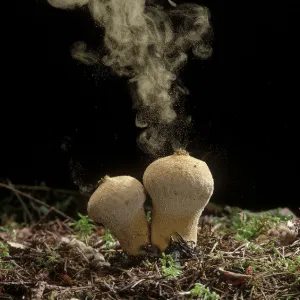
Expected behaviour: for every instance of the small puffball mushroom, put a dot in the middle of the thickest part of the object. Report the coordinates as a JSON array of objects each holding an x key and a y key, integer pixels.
[
  {"x": 180, "y": 186},
  {"x": 118, "y": 205}
]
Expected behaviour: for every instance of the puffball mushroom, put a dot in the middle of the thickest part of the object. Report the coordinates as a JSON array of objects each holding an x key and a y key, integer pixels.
[
  {"x": 118, "y": 203},
  {"x": 180, "y": 186}
]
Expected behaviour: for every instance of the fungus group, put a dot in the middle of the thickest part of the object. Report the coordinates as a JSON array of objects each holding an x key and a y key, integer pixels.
[{"x": 180, "y": 187}]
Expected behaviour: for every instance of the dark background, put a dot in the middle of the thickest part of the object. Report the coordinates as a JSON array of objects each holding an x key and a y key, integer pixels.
[{"x": 243, "y": 102}]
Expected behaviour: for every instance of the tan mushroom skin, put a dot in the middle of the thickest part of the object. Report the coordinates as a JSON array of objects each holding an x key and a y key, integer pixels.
[
  {"x": 180, "y": 186},
  {"x": 118, "y": 203}
]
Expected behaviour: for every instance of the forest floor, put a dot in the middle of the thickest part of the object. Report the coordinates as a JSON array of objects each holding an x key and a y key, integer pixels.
[{"x": 239, "y": 255}]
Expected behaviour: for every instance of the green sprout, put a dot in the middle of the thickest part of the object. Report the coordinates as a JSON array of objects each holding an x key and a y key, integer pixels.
[
  {"x": 274, "y": 249},
  {"x": 48, "y": 260},
  {"x": 109, "y": 240},
  {"x": 169, "y": 268},
  {"x": 253, "y": 248},
  {"x": 199, "y": 290},
  {"x": 84, "y": 226},
  {"x": 5, "y": 267},
  {"x": 277, "y": 217},
  {"x": 4, "y": 229},
  {"x": 3, "y": 250},
  {"x": 288, "y": 264},
  {"x": 148, "y": 215},
  {"x": 249, "y": 226}
]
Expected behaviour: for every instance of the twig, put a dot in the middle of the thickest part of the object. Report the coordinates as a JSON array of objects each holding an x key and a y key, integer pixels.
[
  {"x": 263, "y": 293},
  {"x": 83, "y": 255},
  {"x": 39, "y": 290},
  {"x": 143, "y": 279},
  {"x": 157, "y": 269},
  {"x": 272, "y": 274},
  {"x": 26, "y": 210},
  {"x": 289, "y": 295},
  {"x": 22, "y": 283},
  {"x": 49, "y": 189},
  {"x": 15, "y": 264},
  {"x": 42, "y": 218},
  {"x": 36, "y": 200},
  {"x": 234, "y": 278},
  {"x": 214, "y": 247}
]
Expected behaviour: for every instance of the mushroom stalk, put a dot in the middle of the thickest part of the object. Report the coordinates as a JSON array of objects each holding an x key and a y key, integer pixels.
[
  {"x": 118, "y": 203},
  {"x": 180, "y": 187}
]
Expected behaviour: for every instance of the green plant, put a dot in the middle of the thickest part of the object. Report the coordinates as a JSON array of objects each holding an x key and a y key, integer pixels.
[
  {"x": 50, "y": 259},
  {"x": 84, "y": 226},
  {"x": 253, "y": 248},
  {"x": 274, "y": 249},
  {"x": 276, "y": 217},
  {"x": 288, "y": 264},
  {"x": 3, "y": 250},
  {"x": 169, "y": 268},
  {"x": 5, "y": 268},
  {"x": 199, "y": 290},
  {"x": 109, "y": 240},
  {"x": 249, "y": 226},
  {"x": 241, "y": 264},
  {"x": 292, "y": 266},
  {"x": 148, "y": 215},
  {"x": 4, "y": 229}
]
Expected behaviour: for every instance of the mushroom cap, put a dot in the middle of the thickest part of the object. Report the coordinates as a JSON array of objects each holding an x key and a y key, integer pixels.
[
  {"x": 182, "y": 179},
  {"x": 118, "y": 203}
]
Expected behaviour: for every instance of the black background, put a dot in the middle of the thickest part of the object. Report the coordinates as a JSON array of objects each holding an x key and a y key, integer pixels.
[{"x": 243, "y": 102}]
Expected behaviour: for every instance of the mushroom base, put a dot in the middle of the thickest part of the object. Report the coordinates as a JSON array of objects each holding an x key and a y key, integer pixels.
[
  {"x": 164, "y": 226},
  {"x": 134, "y": 236}
]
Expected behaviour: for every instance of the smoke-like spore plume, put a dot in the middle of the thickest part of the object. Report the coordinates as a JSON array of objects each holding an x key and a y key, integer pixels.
[
  {"x": 69, "y": 4},
  {"x": 149, "y": 44}
]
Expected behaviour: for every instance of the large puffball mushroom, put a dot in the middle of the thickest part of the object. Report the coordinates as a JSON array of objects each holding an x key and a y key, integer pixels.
[
  {"x": 180, "y": 186},
  {"x": 118, "y": 203}
]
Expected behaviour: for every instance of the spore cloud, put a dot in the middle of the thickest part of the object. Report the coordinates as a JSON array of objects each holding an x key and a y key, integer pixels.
[{"x": 149, "y": 43}]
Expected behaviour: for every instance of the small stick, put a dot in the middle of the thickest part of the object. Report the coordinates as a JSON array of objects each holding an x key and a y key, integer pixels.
[
  {"x": 39, "y": 290},
  {"x": 17, "y": 283},
  {"x": 143, "y": 279},
  {"x": 49, "y": 189},
  {"x": 214, "y": 247},
  {"x": 36, "y": 200},
  {"x": 234, "y": 278},
  {"x": 26, "y": 210}
]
